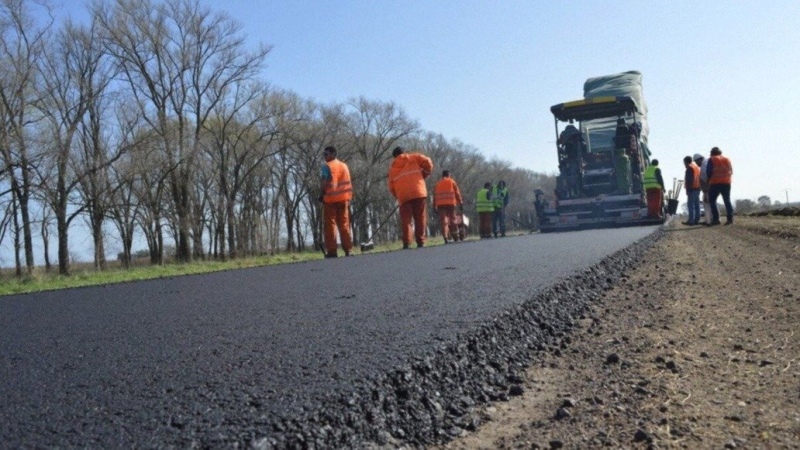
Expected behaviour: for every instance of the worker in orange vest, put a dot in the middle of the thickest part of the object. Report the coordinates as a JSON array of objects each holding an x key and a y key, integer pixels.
[
  {"x": 337, "y": 191},
  {"x": 446, "y": 196},
  {"x": 407, "y": 176},
  {"x": 720, "y": 173}
]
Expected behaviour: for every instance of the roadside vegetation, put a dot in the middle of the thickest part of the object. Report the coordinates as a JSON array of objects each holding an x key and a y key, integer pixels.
[
  {"x": 153, "y": 120},
  {"x": 85, "y": 274}
]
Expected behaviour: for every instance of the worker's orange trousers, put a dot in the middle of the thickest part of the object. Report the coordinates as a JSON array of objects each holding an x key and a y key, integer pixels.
[
  {"x": 413, "y": 209},
  {"x": 447, "y": 219},
  {"x": 654, "y": 201},
  {"x": 337, "y": 215}
]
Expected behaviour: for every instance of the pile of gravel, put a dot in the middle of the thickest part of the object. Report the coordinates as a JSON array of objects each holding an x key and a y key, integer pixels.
[{"x": 432, "y": 397}]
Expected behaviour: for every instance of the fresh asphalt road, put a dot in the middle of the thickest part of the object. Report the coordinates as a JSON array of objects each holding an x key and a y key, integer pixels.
[{"x": 153, "y": 362}]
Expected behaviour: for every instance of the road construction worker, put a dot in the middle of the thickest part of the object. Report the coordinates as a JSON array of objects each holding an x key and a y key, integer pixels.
[
  {"x": 446, "y": 196},
  {"x": 407, "y": 176},
  {"x": 654, "y": 187},
  {"x": 485, "y": 206},
  {"x": 500, "y": 199},
  {"x": 702, "y": 161},
  {"x": 337, "y": 191},
  {"x": 692, "y": 183},
  {"x": 719, "y": 172}
]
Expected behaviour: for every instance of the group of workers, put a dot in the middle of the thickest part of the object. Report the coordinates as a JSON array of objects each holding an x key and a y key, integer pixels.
[
  {"x": 710, "y": 176},
  {"x": 491, "y": 204},
  {"x": 406, "y": 183}
]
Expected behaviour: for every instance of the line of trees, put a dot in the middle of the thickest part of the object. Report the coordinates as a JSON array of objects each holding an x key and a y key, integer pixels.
[{"x": 153, "y": 119}]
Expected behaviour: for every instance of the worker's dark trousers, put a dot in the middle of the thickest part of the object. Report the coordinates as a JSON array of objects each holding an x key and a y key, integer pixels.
[
  {"x": 413, "y": 209},
  {"x": 693, "y": 205},
  {"x": 499, "y": 222},
  {"x": 714, "y": 192},
  {"x": 337, "y": 216}
]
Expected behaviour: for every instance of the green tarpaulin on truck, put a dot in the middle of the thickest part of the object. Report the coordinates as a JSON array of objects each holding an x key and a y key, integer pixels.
[{"x": 620, "y": 84}]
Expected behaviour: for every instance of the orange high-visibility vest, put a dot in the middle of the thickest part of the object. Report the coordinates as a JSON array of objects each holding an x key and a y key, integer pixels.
[
  {"x": 406, "y": 180},
  {"x": 721, "y": 170},
  {"x": 446, "y": 193},
  {"x": 696, "y": 181},
  {"x": 338, "y": 188}
]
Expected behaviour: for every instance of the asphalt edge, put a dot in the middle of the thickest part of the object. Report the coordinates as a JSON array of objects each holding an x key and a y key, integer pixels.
[{"x": 432, "y": 398}]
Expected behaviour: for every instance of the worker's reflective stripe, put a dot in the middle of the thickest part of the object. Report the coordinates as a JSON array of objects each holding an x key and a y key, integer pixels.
[
  {"x": 407, "y": 172},
  {"x": 341, "y": 188},
  {"x": 446, "y": 193},
  {"x": 649, "y": 180}
]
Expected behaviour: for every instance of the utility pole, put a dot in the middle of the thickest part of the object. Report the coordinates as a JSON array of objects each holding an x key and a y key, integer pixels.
[{"x": 787, "y": 195}]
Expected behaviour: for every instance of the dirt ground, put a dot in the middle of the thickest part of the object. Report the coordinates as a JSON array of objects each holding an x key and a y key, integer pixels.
[{"x": 697, "y": 348}]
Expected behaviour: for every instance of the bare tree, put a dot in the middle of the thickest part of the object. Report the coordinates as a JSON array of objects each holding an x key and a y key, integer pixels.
[
  {"x": 75, "y": 77},
  {"x": 123, "y": 207},
  {"x": 22, "y": 43},
  {"x": 240, "y": 134},
  {"x": 178, "y": 59},
  {"x": 291, "y": 113}
]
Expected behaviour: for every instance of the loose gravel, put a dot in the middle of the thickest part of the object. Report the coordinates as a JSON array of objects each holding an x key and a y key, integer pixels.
[{"x": 433, "y": 397}]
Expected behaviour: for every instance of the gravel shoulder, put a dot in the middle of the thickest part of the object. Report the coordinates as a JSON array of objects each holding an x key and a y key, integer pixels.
[{"x": 698, "y": 347}]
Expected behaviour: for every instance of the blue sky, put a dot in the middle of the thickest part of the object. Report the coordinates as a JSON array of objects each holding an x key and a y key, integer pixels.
[
  {"x": 715, "y": 73},
  {"x": 719, "y": 73}
]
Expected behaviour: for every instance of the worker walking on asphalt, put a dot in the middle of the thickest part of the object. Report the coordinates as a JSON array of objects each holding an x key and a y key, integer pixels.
[
  {"x": 485, "y": 206},
  {"x": 692, "y": 183},
  {"x": 407, "y": 176},
  {"x": 654, "y": 186},
  {"x": 720, "y": 173},
  {"x": 337, "y": 191},
  {"x": 702, "y": 162},
  {"x": 446, "y": 196},
  {"x": 500, "y": 199}
]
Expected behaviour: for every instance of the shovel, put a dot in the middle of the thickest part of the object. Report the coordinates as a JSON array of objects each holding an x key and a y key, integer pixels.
[{"x": 369, "y": 245}]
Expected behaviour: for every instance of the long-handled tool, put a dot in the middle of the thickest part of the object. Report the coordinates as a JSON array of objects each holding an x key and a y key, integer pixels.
[{"x": 369, "y": 245}]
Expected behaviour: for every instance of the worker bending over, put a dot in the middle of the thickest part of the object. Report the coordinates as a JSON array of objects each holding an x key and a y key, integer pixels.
[{"x": 407, "y": 176}]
